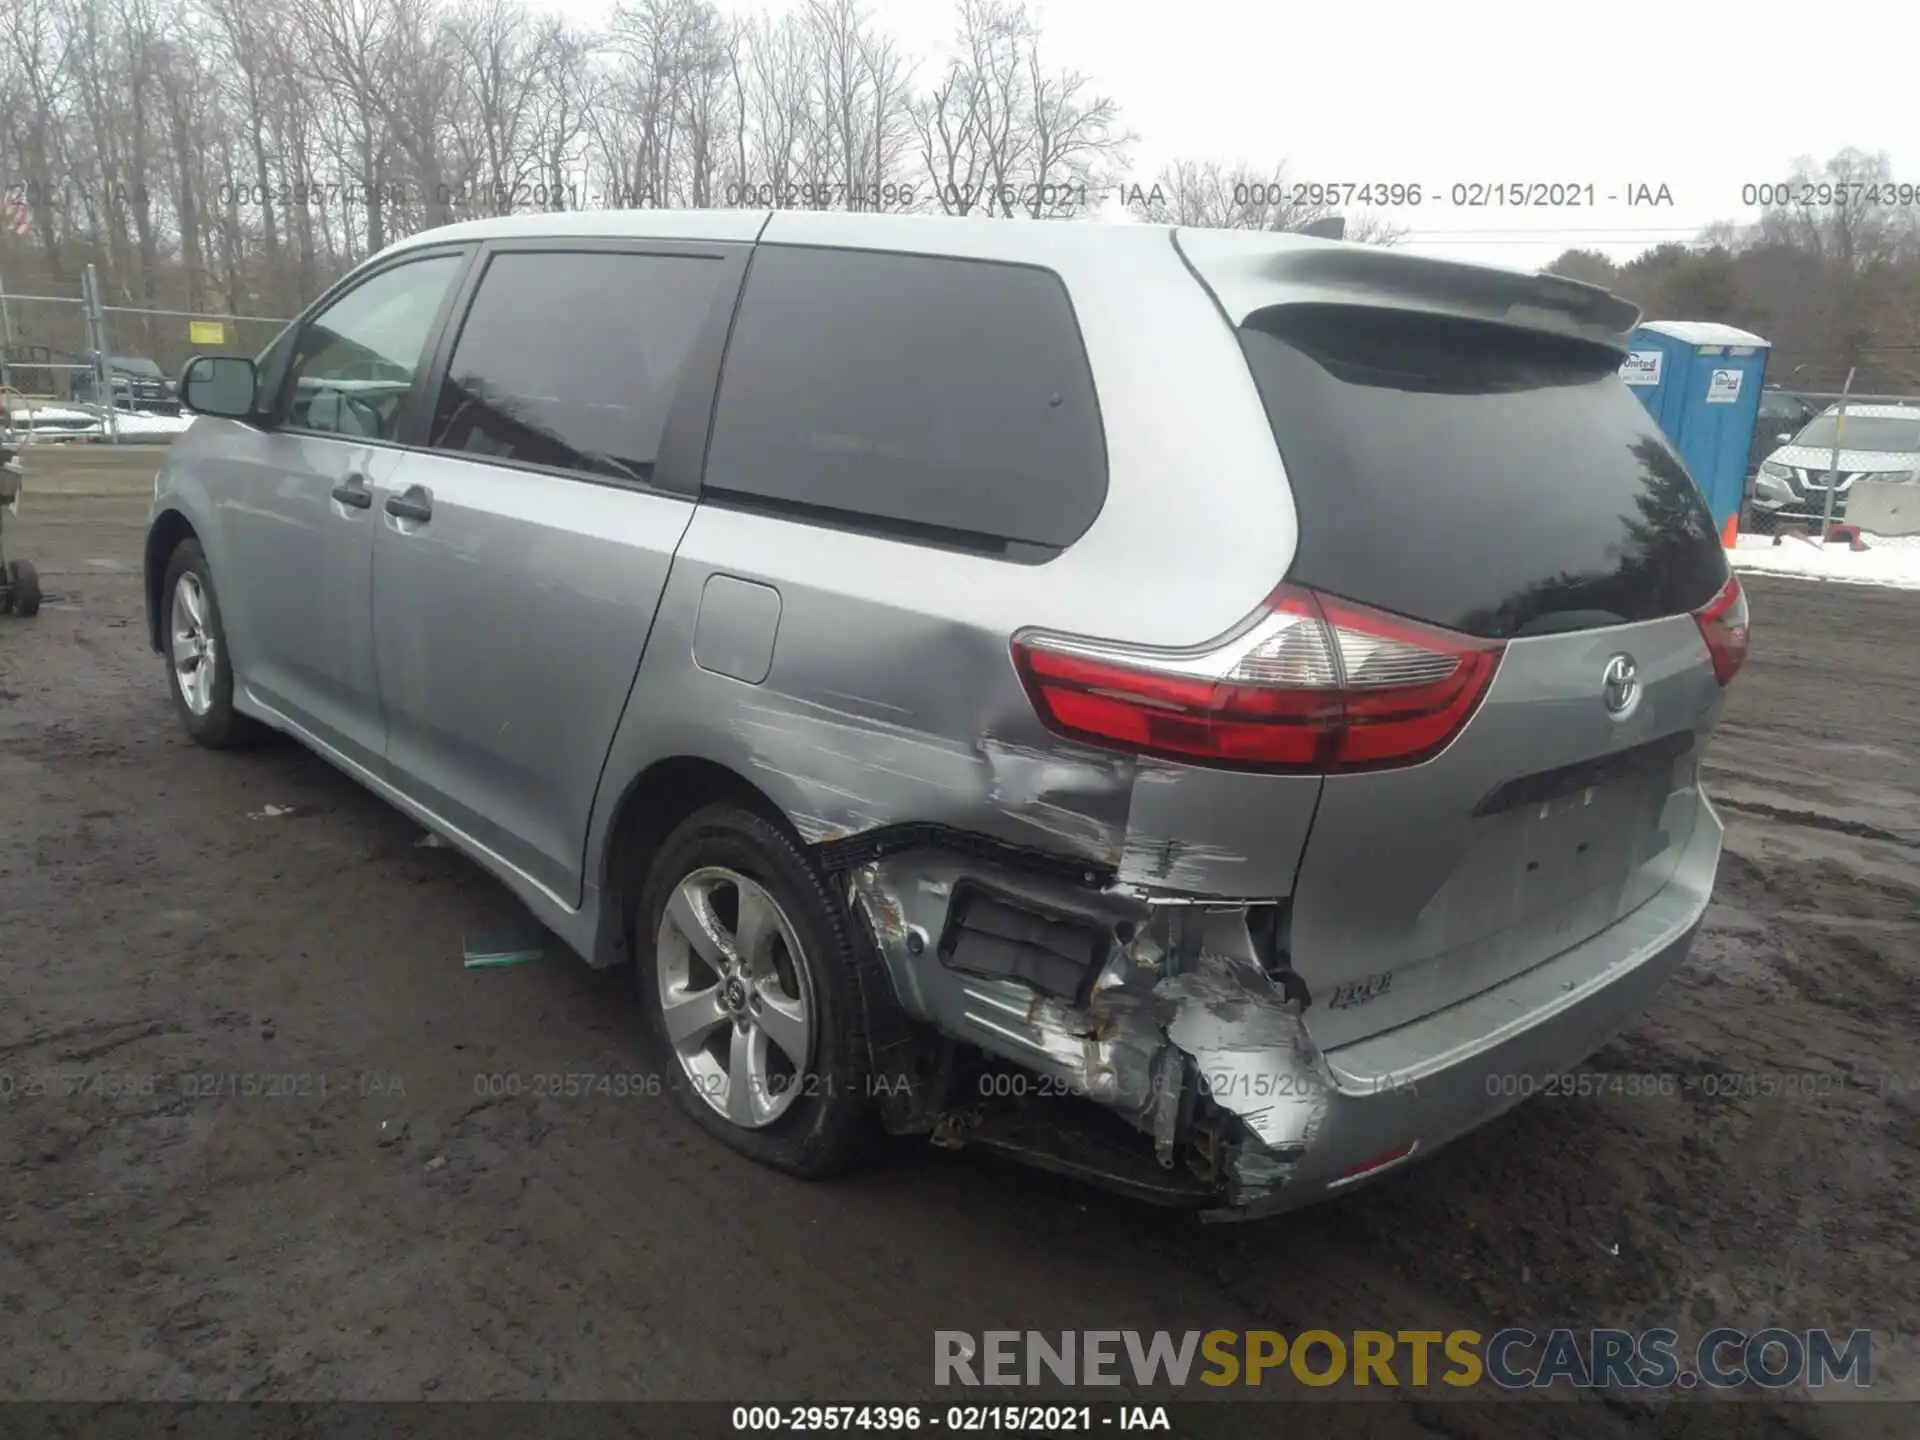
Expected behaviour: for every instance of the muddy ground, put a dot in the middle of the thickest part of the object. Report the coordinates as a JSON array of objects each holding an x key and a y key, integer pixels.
[{"x": 156, "y": 924}]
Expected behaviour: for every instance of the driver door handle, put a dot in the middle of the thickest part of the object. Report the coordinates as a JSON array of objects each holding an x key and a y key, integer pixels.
[
  {"x": 354, "y": 493},
  {"x": 413, "y": 503}
]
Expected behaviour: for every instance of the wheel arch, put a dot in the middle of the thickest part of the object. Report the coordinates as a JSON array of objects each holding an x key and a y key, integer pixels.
[
  {"x": 652, "y": 804},
  {"x": 660, "y": 798},
  {"x": 164, "y": 535}
]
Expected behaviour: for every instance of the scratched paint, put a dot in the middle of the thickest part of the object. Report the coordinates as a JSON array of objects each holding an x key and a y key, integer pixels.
[
  {"x": 847, "y": 771},
  {"x": 1179, "y": 864}
]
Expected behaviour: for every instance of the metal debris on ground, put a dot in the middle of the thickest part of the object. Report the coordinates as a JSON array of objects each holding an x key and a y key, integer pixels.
[
  {"x": 273, "y": 812},
  {"x": 489, "y": 952}
]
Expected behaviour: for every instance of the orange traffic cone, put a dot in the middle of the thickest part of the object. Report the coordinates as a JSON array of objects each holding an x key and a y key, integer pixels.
[{"x": 1730, "y": 533}]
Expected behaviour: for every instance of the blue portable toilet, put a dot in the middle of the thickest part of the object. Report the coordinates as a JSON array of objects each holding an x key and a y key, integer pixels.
[{"x": 1701, "y": 383}]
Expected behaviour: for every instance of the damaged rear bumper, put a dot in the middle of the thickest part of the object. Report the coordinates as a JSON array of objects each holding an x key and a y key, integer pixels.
[{"x": 1180, "y": 1018}]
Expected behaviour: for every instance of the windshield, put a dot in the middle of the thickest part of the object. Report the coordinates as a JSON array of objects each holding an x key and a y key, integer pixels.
[
  {"x": 1864, "y": 432},
  {"x": 136, "y": 365}
]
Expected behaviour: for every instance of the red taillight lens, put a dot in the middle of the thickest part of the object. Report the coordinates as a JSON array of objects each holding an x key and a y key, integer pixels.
[
  {"x": 1312, "y": 683},
  {"x": 1723, "y": 625}
]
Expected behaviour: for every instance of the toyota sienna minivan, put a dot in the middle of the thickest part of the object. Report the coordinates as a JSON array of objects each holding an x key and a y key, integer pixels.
[{"x": 1216, "y": 713}]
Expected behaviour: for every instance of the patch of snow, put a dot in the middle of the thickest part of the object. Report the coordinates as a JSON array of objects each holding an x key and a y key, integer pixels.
[
  {"x": 22, "y": 416},
  {"x": 141, "y": 425},
  {"x": 1892, "y": 560},
  {"x": 137, "y": 425}
]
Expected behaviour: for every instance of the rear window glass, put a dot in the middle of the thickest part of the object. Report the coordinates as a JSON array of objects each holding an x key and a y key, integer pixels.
[
  {"x": 1476, "y": 477},
  {"x": 920, "y": 394}
]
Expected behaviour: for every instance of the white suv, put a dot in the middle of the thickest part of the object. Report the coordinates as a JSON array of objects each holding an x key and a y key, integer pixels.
[{"x": 1879, "y": 442}]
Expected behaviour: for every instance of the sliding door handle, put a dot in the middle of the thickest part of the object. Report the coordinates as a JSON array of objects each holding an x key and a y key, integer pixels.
[{"x": 414, "y": 503}]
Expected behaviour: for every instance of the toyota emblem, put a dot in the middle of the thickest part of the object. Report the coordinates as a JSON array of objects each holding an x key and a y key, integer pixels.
[{"x": 1620, "y": 686}]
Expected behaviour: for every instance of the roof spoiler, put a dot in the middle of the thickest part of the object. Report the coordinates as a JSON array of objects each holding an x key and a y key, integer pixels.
[{"x": 1251, "y": 270}]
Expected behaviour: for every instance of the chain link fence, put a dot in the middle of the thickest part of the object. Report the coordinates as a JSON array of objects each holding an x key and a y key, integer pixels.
[{"x": 73, "y": 367}]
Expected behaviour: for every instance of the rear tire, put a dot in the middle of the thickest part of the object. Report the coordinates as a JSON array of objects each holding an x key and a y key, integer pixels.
[
  {"x": 26, "y": 589},
  {"x": 780, "y": 972},
  {"x": 192, "y": 630}
]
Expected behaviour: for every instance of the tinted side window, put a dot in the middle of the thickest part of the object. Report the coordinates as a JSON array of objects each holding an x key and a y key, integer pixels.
[
  {"x": 355, "y": 362},
  {"x": 571, "y": 359},
  {"x": 912, "y": 391}
]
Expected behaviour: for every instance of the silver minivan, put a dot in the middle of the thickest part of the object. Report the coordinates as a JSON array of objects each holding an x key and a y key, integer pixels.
[{"x": 1215, "y": 713}]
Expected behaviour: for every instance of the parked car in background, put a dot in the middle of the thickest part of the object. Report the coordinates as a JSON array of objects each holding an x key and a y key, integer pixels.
[
  {"x": 138, "y": 384},
  {"x": 20, "y": 417},
  {"x": 990, "y": 679},
  {"x": 1782, "y": 414},
  {"x": 1877, "y": 442}
]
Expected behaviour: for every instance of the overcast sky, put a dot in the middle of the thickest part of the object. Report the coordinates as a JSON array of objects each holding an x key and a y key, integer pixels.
[{"x": 1700, "y": 97}]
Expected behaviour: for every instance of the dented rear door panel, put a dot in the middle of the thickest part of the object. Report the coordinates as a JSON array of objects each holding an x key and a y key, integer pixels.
[{"x": 875, "y": 714}]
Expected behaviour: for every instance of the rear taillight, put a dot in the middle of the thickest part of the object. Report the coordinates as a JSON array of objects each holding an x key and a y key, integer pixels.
[
  {"x": 1310, "y": 683},
  {"x": 1723, "y": 625}
]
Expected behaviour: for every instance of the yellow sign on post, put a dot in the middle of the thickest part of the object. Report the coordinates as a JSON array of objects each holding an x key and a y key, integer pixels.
[{"x": 206, "y": 332}]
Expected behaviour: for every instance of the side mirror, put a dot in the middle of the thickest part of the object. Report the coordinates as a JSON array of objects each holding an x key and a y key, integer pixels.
[{"x": 221, "y": 385}]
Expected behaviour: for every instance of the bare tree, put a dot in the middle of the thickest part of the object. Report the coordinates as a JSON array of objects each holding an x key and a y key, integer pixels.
[
  {"x": 137, "y": 38},
  {"x": 785, "y": 136},
  {"x": 38, "y": 78},
  {"x": 658, "y": 137},
  {"x": 1077, "y": 144},
  {"x": 355, "y": 46},
  {"x": 1832, "y": 211},
  {"x": 567, "y": 92},
  {"x": 1002, "y": 134},
  {"x": 183, "y": 94},
  {"x": 243, "y": 153},
  {"x": 951, "y": 127},
  {"x": 842, "y": 93},
  {"x": 890, "y": 78},
  {"x": 497, "y": 79},
  {"x": 242, "y": 30}
]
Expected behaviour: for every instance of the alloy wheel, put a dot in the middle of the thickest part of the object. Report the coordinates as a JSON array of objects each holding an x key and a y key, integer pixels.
[
  {"x": 195, "y": 651},
  {"x": 736, "y": 994}
]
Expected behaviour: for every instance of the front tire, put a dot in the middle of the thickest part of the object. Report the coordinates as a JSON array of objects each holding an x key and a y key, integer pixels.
[
  {"x": 26, "y": 590},
  {"x": 748, "y": 967},
  {"x": 199, "y": 665}
]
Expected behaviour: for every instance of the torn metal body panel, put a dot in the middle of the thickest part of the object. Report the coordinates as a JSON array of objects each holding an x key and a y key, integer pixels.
[
  {"x": 1192, "y": 1030},
  {"x": 1173, "y": 1006}
]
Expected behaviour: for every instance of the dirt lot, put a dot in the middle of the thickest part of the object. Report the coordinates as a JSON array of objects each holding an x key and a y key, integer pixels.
[{"x": 152, "y": 1244}]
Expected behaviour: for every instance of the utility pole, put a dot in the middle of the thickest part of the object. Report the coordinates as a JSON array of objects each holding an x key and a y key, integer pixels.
[{"x": 1833, "y": 462}]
